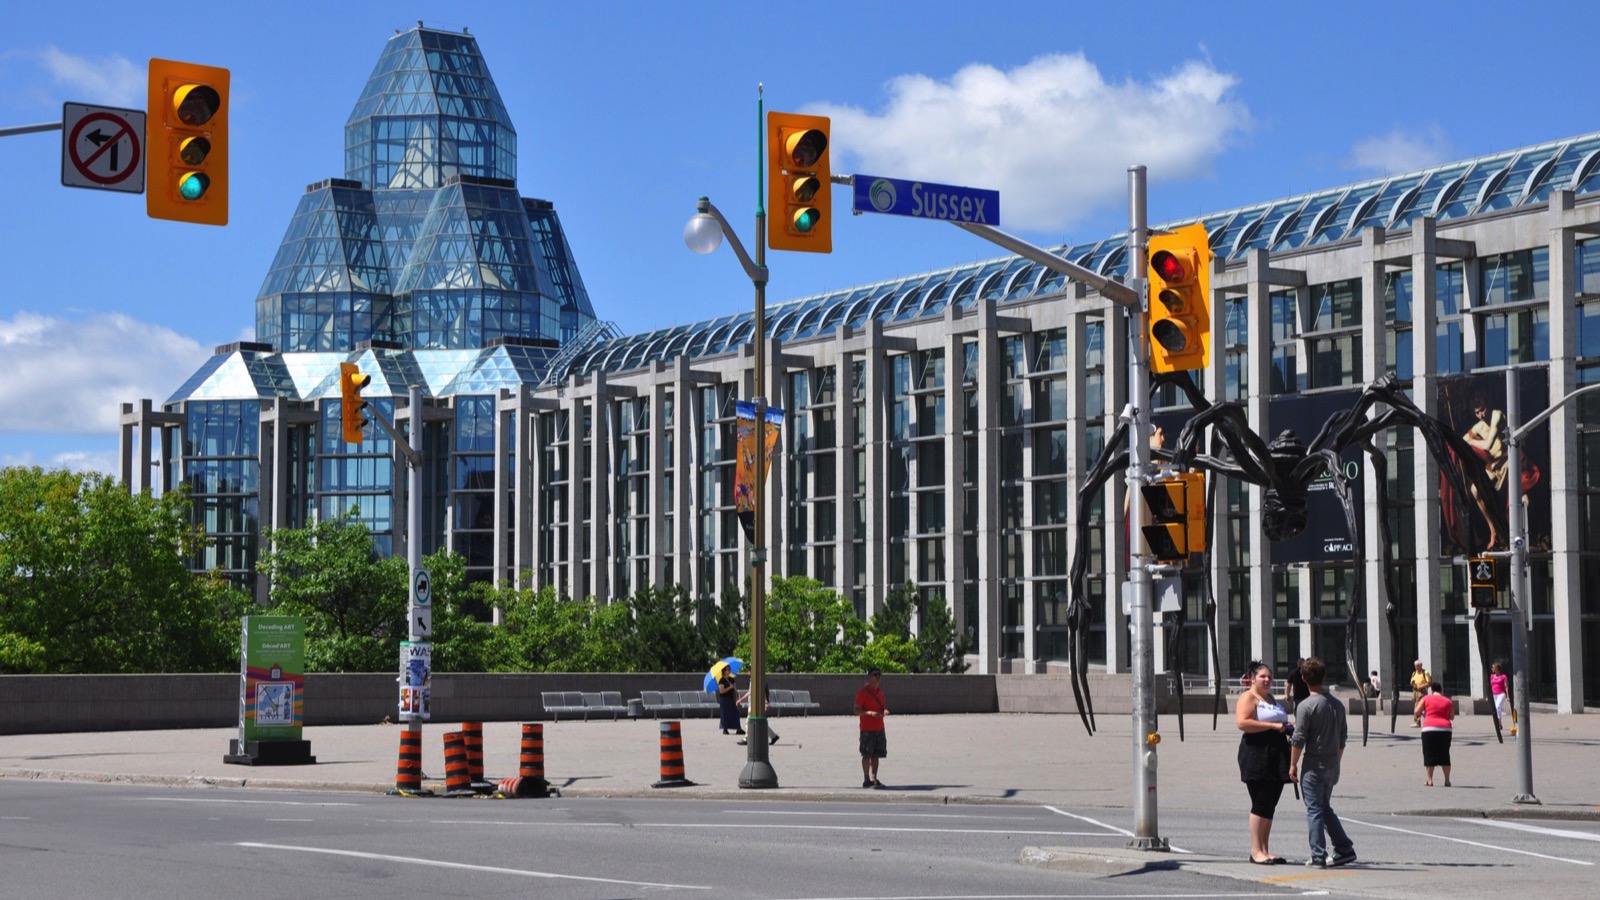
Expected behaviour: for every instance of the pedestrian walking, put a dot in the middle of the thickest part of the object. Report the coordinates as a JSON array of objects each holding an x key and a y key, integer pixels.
[
  {"x": 1497, "y": 689},
  {"x": 1263, "y": 757},
  {"x": 1377, "y": 688},
  {"x": 1438, "y": 714},
  {"x": 1316, "y": 749},
  {"x": 766, "y": 704},
  {"x": 871, "y": 707},
  {"x": 1420, "y": 679},
  {"x": 1295, "y": 691}
]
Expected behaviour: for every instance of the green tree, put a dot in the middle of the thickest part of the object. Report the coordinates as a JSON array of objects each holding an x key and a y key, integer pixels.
[
  {"x": 460, "y": 637},
  {"x": 663, "y": 636},
  {"x": 541, "y": 631},
  {"x": 810, "y": 628},
  {"x": 354, "y": 601},
  {"x": 936, "y": 648},
  {"x": 93, "y": 579}
]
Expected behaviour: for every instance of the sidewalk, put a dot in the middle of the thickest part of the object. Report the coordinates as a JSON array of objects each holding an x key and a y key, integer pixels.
[{"x": 1040, "y": 759}]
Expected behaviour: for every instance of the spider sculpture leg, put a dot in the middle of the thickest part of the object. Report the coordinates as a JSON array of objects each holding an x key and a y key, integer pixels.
[{"x": 1080, "y": 617}]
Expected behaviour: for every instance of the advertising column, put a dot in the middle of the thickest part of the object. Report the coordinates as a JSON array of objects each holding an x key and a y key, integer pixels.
[{"x": 272, "y": 684}]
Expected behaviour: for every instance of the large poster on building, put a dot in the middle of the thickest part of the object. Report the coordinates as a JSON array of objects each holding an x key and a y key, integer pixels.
[
  {"x": 1327, "y": 536},
  {"x": 1474, "y": 407}
]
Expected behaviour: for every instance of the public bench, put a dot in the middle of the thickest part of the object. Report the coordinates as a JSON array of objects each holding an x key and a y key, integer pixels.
[
  {"x": 792, "y": 701},
  {"x": 583, "y": 703},
  {"x": 683, "y": 703}
]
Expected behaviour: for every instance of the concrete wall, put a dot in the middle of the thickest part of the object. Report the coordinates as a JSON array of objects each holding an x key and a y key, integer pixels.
[{"x": 65, "y": 703}]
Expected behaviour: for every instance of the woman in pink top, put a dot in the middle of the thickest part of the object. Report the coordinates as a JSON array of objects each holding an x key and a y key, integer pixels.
[
  {"x": 1497, "y": 689},
  {"x": 1437, "y": 713}
]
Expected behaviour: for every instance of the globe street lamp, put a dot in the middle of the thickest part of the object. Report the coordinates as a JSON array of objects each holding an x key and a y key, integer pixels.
[{"x": 703, "y": 234}]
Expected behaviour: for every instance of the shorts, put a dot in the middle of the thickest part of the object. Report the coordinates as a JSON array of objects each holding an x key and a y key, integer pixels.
[{"x": 874, "y": 745}]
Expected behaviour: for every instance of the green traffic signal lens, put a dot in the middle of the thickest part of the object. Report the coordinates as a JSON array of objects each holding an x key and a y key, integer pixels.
[
  {"x": 806, "y": 219},
  {"x": 193, "y": 185}
]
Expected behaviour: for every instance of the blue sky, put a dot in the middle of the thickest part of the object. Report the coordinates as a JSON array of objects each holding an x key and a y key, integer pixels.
[{"x": 627, "y": 112}]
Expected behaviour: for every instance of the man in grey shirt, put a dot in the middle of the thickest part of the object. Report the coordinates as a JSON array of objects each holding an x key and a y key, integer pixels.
[{"x": 1315, "y": 749}]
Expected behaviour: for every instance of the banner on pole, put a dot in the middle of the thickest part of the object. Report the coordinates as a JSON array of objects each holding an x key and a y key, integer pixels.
[{"x": 744, "y": 497}]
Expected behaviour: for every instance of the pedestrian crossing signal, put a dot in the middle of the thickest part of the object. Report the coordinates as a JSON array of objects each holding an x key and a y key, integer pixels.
[{"x": 1484, "y": 585}]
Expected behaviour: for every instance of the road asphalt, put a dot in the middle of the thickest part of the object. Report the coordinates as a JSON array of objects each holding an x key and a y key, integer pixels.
[{"x": 1046, "y": 760}]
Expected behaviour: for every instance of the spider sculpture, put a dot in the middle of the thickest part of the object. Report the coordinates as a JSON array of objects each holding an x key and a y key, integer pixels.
[{"x": 1286, "y": 468}]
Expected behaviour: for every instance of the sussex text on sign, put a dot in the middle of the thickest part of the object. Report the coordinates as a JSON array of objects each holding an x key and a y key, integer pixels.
[{"x": 926, "y": 200}]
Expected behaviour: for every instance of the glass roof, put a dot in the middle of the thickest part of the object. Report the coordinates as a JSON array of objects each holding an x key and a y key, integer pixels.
[
  {"x": 1451, "y": 191},
  {"x": 242, "y": 373}
]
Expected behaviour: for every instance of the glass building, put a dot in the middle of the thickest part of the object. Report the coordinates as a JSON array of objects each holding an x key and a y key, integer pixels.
[{"x": 939, "y": 425}]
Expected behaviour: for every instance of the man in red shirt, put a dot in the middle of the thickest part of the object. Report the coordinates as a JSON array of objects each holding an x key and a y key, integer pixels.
[{"x": 871, "y": 707}]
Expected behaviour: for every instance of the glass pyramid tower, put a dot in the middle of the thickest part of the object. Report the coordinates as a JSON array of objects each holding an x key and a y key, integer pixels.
[{"x": 423, "y": 265}]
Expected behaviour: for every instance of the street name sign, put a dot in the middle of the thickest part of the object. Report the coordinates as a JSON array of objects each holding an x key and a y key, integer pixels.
[
  {"x": 102, "y": 147},
  {"x": 926, "y": 200}
]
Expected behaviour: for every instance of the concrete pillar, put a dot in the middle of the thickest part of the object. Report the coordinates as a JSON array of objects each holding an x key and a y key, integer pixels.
[{"x": 1566, "y": 589}]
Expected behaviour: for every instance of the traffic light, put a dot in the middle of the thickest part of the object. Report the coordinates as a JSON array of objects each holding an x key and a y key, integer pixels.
[
  {"x": 187, "y": 139},
  {"x": 351, "y": 381},
  {"x": 799, "y": 192},
  {"x": 1177, "y": 525},
  {"x": 1485, "y": 591},
  {"x": 1180, "y": 300}
]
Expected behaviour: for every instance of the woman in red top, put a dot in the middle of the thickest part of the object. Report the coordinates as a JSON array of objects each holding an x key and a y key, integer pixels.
[{"x": 1437, "y": 714}]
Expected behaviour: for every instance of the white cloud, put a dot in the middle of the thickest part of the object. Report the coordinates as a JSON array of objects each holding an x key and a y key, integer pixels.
[
  {"x": 104, "y": 462},
  {"x": 111, "y": 80},
  {"x": 1052, "y": 136},
  {"x": 70, "y": 375},
  {"x": 1401, "y": 151}
]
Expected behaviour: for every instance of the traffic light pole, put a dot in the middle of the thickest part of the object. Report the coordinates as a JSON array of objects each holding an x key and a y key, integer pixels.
[
  {"x": 1130, "y": 297},
  {"x": 1146, "y": 835},
  {"x": 411, "y": 446}
]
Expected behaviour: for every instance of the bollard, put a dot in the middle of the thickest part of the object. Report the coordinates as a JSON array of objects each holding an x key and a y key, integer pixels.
[
  {"x": 408, "y": 773},
  {"x": 672, "y": 757},
  {"x": 457, "y": 779},
  {"x": 472, "y": 737}
]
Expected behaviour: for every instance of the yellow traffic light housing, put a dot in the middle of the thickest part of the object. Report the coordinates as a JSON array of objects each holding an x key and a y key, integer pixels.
[
  {"x": 351, "y": 381},
  {"x": 1177, "y": 524},
  {"x": 799, "y": 196},
  {"x": 1180, "y": 300},
  {"x": 1484, "y": 581},
  {"x": 187, "y": 142}
]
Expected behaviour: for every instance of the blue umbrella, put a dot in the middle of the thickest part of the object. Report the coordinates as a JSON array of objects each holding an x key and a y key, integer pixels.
[{"x": 728, "y": 665}]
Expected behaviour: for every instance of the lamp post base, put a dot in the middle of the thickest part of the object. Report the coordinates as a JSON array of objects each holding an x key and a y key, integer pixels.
[
  {"x": 758, "y": 772},
  {"x": 1526, "y": 798},
  {"x": 1149, "y": 843}
]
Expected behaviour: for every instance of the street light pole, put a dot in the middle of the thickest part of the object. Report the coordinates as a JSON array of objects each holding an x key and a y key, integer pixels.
[
  {"x": 1521, "y": 584},
  {"x": 704, "y": 234}
]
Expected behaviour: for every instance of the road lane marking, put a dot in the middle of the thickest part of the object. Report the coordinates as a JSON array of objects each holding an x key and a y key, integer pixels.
[
  {"x": 243, "y": 802},
  {"x": 785, "y": 812},
  {"x": 1123, "y": 832},
  {"x": 1576, "y": 862},
  {"x": 783, "y": 826},
  {"x": 1535, "y": 829},
  {"x": 1055, "y": 896},
  {"x": 446, "y": 864}
]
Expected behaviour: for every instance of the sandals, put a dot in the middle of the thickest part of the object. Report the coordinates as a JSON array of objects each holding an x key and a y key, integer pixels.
[{"x": 1269, "y": 861}]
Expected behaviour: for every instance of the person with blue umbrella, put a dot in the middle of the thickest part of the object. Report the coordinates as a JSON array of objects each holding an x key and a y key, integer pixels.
[{"x": 719, "y": 680}]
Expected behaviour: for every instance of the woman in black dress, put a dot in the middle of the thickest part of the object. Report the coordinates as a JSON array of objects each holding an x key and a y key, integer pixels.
[{"x": 1263, "y": 757}]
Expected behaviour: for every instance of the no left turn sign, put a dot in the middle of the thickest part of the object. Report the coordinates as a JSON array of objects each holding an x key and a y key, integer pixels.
[{"x": 102, "y": 147}]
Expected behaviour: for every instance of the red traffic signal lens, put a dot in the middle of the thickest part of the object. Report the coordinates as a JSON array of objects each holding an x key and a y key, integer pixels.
[{"x": 1168, "y": 267}]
